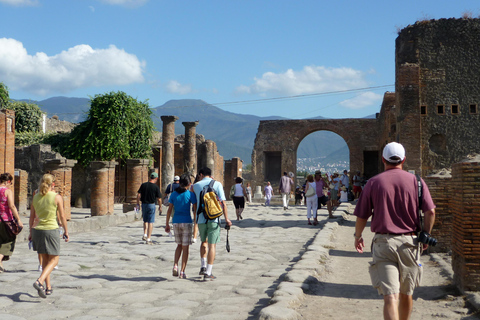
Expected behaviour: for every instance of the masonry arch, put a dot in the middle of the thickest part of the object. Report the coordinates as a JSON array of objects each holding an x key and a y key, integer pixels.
[
  {"x": 319, "y": 149},
  {"x": 277, "y": 141}
]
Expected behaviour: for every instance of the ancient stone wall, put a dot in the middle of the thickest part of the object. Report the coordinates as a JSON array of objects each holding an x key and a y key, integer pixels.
[
  {"x": 277, "y": 142},
  {"x": 233, "y": 169},
  {"x": 21, "y": 191},
  {"x": 437, "y": 89}
]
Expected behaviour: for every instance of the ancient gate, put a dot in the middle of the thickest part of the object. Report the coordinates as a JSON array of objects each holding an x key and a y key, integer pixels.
[{"x": 276, "y": 144}]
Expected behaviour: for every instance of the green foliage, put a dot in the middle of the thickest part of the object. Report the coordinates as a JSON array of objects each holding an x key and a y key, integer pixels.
[
  {"x": 28, "y": 138},
  {"x": 117, "y": 127},
  {"x": 28, "y": 116},
  {"x": 4, "y": 96}
]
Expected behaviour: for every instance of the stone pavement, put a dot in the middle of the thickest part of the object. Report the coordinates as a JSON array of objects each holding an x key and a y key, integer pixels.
[{"x": 107, "y": 272}]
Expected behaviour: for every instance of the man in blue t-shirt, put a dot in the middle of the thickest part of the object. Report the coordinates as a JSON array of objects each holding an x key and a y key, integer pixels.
[{"x": 209, "y": 229}]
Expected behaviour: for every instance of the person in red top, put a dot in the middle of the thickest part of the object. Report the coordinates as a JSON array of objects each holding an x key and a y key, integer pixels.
[{"x": 391, "y": 200}]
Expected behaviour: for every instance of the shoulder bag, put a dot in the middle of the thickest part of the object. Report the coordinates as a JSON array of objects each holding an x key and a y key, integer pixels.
[
  {"x": 310, "y": 192},
  {"x": 12, "y": 227}
]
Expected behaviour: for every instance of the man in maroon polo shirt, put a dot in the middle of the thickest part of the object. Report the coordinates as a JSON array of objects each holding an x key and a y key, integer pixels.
[{"x": 391, "y": 199}]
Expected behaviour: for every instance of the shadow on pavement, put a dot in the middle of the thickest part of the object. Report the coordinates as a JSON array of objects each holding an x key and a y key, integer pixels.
[
  {"x": 350, "y": 254},
  {"x": 116, "y": 278},
  {"x": 17, "y": 297}
]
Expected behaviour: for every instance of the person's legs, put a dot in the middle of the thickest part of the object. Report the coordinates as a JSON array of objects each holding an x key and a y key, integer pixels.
[
  {"x": 390, "y": 307},
  {"x": 149, "y": 230},
  {"x": 284, "y": 200},
  {"x": 145, "y": 228},
  {"x": 405, "y": 306},
  {"x": 178, "y": 252},
  {"x": 185, "y": 250},
  {"x": 49, "y": 262}
]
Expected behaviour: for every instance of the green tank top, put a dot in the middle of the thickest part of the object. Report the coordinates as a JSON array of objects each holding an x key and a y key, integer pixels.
[{"x": 46, "y": 210}]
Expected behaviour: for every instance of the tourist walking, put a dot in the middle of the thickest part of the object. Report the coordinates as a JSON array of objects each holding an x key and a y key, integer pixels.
[
  {"x": 180, "y": 200},
  {"x": 8, "y": 212},
  {"x": 170, "y": 188},
  {"x": 48, "y": 206},
  {"x": 391, "y": 200},
  {"x": 209, "y": 229},
  {"x": 344, "y": 179},
  {"x": 248, "y": 188},
  {"x": 239, "y": 197},
  {"x": 311, "y": 198},
  {"x": 148, "y": 194},
  {"x": 357, "y": 184},
  {"x": 320, "y": 184},
  {"x": 285, "y": 188},
  {"x": 268, "y": 193}
]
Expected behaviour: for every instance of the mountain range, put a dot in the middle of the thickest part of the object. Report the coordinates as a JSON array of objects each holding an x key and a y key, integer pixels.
[{"x": 233, "y": 133}]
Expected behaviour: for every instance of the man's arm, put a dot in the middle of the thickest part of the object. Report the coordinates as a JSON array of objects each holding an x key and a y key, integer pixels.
[
  {"x": 359, "y": 227},
  {"x": 428, "y": 223},
  {"x": 227, "y": 221},
  {"x": 138, "y": 199}
]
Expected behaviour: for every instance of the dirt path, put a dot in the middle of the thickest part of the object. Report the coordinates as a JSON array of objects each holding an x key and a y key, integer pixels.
[{"x": 345, "y": 291}]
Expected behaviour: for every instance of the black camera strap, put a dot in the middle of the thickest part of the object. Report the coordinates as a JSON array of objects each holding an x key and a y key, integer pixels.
[{"x": 420, "y": 200}]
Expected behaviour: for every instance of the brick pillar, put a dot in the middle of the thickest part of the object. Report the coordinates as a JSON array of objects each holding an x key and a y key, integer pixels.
[
  {"x": 61, "y": 169},
  {"x": 7, "y": 141},
  {"x": 102, "y": 187},
  {"x": 233, "y": 169},
  {"x": 440, "y": 187},
  {"x": 168, "y": 141},
  {"x": 190, "y": 148},
  {"x": 137, "y": 173},
  {"x": 466, "y": 224},
  {"x": 21, "y": 190}
]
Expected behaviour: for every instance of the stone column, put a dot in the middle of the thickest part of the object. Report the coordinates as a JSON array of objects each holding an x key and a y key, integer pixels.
[
  {"x": 102, "y": 187},
  {"x": 190, "y": 148},
  {"x": 168, "y": 141},
  {"x": 7, "y": 141},
  {"x": 21, "y": 190},
  {"x": 210, "y": 154},
  {"x": 61, "y": 169},
  {"x": 137, "y": 173}
]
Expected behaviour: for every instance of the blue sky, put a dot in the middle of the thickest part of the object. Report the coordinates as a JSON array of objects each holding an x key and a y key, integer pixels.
[{"x": 296, "y": 59}]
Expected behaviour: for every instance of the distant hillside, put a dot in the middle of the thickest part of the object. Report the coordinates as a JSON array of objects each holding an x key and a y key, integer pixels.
[{"x": 234, "y": 133}]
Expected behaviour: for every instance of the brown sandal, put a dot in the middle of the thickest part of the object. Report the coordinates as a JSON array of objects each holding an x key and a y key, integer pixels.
[
  {"x": 40, "y": 288},
  {"x": 49, "y": 291}
]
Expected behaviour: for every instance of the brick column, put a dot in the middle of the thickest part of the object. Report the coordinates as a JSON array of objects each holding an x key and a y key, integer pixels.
[
  {"x": 102, "y": 187},
  {"x": 466, "y": 224},
  {"x": 61, "y": 169},
  {"x": 21, "y": 190},
  {"x": 137, "y": 173},
  {"x": 168, "y": 141},
  {"x": 190, "y": 148},
  {"x": 7, "y": 141}
]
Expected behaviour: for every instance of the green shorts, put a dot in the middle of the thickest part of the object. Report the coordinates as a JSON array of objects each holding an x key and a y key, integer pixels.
[{"x": 210, "y": 231}]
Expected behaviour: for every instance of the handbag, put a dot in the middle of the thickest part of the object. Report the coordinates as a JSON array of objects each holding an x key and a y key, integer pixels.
[
  {"x": 12, "y": 227},
  {"x": 310, "y": 192}
]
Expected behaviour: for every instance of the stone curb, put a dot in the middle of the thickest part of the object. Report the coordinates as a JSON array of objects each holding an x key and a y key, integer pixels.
[
  {"x": 89, "y": 223},
  {"x": 312, "y": 263}
]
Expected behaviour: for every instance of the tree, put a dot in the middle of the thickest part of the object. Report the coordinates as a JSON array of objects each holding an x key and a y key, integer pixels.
[
  {"x": 28, "y": 116},
  {"x": 4, "y": 96},
  {"x": 118, "y": 127}
]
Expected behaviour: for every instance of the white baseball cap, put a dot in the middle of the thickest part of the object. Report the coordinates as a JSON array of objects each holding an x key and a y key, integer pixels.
[
  {"x": 394, "y": 152},
  {"x": 176, "y": 178}
]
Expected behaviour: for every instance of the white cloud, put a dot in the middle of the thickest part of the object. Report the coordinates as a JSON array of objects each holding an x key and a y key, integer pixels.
[
  {"x": 311, "y": 79},
  {"x": 77, "y": 67},
  {"x": 364, "y": 99},
  {"x": 20, "y": 3},
  {"x": 126, "y": 3},
  {"x": 177, "y": 88}
]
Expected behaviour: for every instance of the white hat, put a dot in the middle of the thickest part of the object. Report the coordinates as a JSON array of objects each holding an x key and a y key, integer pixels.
[
  {"x": 176, "y": 178},
  {"x": 394, "y": 152}
]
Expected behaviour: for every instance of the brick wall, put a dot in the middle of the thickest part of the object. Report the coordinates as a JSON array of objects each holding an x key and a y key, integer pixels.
[
  {"x": 233, "y": 169},
  {"x": 440, "y": 187},
  {"x": 7, "y": 141},
  {"x": 466, "y": 224}
]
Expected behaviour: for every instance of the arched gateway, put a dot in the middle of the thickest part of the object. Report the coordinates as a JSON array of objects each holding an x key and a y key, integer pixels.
[{"x": 276, "y": 144}]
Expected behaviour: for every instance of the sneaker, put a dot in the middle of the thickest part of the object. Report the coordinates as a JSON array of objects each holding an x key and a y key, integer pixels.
[
  {"x": 149, "y": 241},
  {"x": 203, "y": 271},
  {"x": 175, "y": 271},
  {"x": 209, "y": 277},
  {"x": 182, "y": 275},
  {"x": 144, "y": 238}
]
